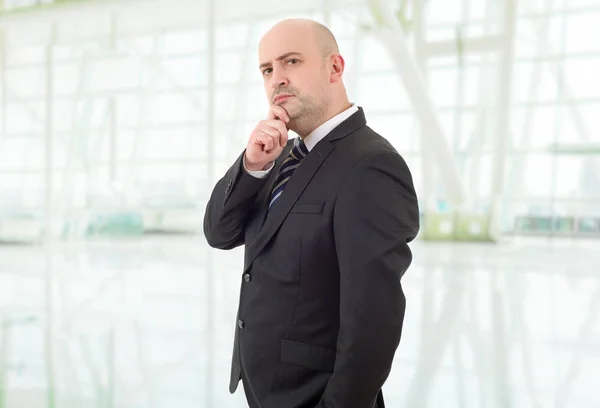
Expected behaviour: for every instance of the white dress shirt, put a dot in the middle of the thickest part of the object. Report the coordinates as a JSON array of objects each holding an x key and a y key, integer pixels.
[{"x": 313, "y": 137}]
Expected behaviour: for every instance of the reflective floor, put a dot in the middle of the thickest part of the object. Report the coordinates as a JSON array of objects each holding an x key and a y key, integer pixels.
[{"x": 149, "y": 323}]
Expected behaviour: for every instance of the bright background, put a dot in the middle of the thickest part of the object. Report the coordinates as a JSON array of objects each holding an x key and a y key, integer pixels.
[{"x": 117, "y": 118}]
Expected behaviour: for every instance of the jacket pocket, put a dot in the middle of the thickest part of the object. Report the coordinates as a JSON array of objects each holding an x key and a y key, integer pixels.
[
  {"x": 308, "y": 355},
  {"x": 308, "y": 207}
]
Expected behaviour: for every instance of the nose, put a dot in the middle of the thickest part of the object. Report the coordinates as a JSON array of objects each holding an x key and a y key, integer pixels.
[{"x": 278, "y": 79}]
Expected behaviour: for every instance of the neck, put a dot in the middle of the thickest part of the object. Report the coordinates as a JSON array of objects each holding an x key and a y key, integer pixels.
[{"x": 305, "y": 127}]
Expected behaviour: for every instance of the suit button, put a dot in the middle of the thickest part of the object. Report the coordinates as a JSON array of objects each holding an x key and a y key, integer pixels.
[
  {"x": 241, "y": 324},
  {"x": 247, "y": 278}
]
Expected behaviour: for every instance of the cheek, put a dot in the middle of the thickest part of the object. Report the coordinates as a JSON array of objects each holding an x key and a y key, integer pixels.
[{"x": 313, "y": 86}]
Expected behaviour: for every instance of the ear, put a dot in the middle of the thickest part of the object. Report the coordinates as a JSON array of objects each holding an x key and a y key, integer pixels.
[{"x": 337, "y": 68}]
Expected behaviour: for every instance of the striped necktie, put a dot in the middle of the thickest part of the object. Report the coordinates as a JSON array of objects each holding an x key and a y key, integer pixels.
[{"x": 291, "y": 163}]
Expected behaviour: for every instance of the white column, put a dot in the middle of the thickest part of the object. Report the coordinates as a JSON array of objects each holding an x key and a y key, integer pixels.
[
  {"x": 3, "y": 83},
  {"x": 428, "y": 176},
  {"x": 112, "y": 152},
  {"x": 48, "y": 137},
  {"x": 49, "y": 222},
  {"x": 504, "y": 102},
  {"x": 4, "y": 338},
  {"x": 49, "y": 327}
]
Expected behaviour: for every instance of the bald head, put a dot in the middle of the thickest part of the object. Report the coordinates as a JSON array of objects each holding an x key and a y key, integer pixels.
[
  {"x": 323, "y": 37},
  {"x": 325, "y": 40}
]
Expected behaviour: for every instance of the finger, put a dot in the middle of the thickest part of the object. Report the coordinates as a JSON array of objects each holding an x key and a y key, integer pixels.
[
  {"x": 283, "y": 138},
  {"x": 282, "y": 132},
  {"x": 278, "y": 112},
  {"x": 276, "y": 124},
  {"x": 261, "y": 143},
  {"x": 265, "y": 141},
  {"x": 271, "y": 127},
  {"x": 269, "y": 142}
]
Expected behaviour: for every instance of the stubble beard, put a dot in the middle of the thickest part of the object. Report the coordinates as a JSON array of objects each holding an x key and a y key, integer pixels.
[{"x": 306, "y": 116}]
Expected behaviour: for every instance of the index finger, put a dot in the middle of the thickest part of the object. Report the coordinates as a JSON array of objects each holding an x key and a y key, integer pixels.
[
  {"x": 277, "y": 112},
  {"x": 280, "y": 126}
]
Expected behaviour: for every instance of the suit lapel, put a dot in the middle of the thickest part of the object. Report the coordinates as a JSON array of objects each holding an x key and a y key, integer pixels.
[
  {"x": 297, "y": 184},
  {"x": 294, "y": 188}
]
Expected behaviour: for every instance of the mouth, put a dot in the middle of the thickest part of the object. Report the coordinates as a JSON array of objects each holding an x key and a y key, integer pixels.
[{"x": 282, "y": 97}]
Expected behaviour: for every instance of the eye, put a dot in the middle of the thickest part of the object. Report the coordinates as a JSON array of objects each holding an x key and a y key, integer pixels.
[
  {"x": 292, "y": 61},
  {"x": 267, "y": 71}
]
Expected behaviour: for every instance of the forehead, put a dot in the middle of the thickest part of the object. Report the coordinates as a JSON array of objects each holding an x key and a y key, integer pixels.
[{"x": 281, "y": 41}]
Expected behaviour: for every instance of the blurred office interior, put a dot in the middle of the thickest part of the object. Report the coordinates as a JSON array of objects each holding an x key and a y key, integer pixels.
[{"x": 117, "y": 118}]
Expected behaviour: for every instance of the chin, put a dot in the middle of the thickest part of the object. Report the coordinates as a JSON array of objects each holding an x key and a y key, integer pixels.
[
  {"x": 293, "y": 118},
  {"x": 292, "y": 113}
]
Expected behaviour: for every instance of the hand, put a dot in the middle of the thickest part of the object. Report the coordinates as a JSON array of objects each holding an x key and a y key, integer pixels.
[{"x": 267, "y": 140}]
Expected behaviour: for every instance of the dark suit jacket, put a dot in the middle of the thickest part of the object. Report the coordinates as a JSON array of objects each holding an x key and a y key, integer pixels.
[{"x": 321, "y": 304}]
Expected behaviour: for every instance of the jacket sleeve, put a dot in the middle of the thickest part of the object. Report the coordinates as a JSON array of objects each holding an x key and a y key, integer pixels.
[
  {"x": 231, "y": 201},
  {"x": 376, "y": 215}
]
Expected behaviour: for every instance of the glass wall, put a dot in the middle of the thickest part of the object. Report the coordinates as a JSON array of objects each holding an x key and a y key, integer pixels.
[
  {"x": 123, "y": 103},
  {"x": 112, "y": 127}
]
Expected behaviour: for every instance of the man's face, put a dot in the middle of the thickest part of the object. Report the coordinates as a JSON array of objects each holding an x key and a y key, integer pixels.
[{"x": 294, "y": 73}]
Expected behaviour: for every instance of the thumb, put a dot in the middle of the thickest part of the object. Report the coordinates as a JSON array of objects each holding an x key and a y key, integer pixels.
[{"x": 283, "y": 138}]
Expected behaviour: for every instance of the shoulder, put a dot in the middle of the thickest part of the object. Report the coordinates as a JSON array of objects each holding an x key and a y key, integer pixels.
[{"x": 365, "y": 147}]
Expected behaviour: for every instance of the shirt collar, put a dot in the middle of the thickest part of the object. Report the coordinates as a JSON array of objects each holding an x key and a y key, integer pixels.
[{"x": 319, "y": 133}]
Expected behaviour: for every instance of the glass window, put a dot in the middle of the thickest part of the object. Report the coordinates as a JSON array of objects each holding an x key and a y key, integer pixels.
[
  {"x": 181, "y": 72},
  {"x": 375, "y": 56},
  {"x": 67, "y": 79},
  {"x": 534, "y": 81},
  {"x": 164, "y": 143},
  {"x": 536, "y": 177},
  {"x": 184, "y": 42},
  {"x": 114, "y": 74},
  {"x": 25, "y": 118},
  {"x": 382, "y": 93},
  {"x": 471, "y": 132},
  {"x": 25, "y": 54},
  {"x": 400, "y": 130},
  {"x": 534, "y": 127},
  {"x": 236, "y": 34},
  {"x": 173, "y": 108},
  {"x": 230, "y": 66},
  {"x": 578, "y": 118},
  {"x": 568, "y": 176},
  {"x": 580, "y": 32},
  {"x": 438, "y": 12},
  {"x": 472, "y": 84},
  {"x": 442, "y": 86},
  {"x": 539, "y": 36},
  {"x": 26, "y": 82},
  {"x": 581, "y": 77},
  {"x": 255, "y": 102}
]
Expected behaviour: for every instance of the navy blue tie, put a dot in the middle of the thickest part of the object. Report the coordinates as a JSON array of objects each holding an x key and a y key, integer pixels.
[{"x": 291, "y": 163}]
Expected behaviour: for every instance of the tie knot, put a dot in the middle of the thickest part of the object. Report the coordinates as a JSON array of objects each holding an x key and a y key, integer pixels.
[{"x": 299, "y": 151}]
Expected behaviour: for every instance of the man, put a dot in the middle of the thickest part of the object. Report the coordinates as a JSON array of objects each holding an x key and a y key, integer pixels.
[{"x": 325, "y": 219}]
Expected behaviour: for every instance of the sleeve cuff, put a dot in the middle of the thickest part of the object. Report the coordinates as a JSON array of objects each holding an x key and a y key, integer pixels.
[{"x": 259, "y": 173}]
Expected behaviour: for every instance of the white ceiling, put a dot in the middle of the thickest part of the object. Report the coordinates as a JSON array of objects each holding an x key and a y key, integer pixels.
[{"x": 93, "y": 18}]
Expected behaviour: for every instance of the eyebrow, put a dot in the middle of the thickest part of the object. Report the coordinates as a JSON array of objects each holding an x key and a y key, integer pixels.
[{"x": 281, "y": 57}]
